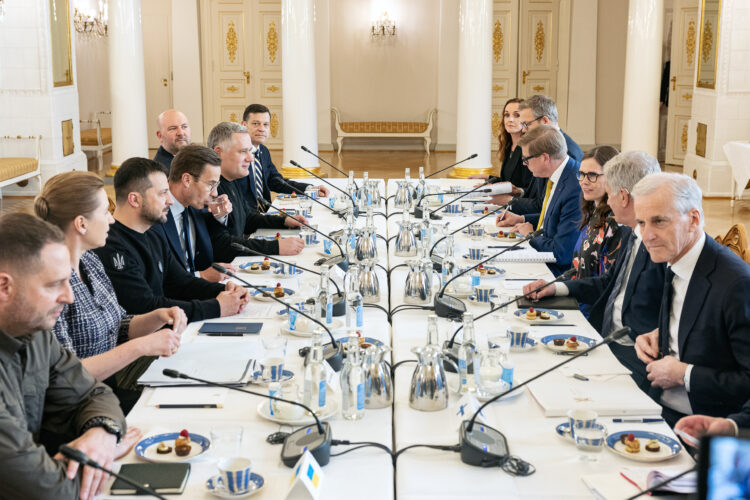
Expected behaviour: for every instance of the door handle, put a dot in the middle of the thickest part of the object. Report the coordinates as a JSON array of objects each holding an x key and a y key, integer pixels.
[
  {"x": 164, "y": 81},
  {"x": 247, "y": 76},
  {"x": 524, "y": 75},
  {"x": 674, "y": 81}
]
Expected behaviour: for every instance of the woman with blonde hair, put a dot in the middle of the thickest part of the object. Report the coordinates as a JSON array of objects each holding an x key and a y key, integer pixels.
[{"x": 95, "y": 327}]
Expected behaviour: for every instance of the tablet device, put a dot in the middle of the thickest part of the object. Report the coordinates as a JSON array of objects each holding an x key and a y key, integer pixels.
[{"x": 232, "y": 329}]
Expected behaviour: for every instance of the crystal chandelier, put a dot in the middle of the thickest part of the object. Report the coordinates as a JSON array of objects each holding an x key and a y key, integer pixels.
[
  {"x": 92, "y": 24},
  {"x": 384, "y": 26}
]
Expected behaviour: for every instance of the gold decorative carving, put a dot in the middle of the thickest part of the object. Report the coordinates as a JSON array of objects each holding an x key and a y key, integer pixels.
[
  {"x": 495, "y": 124},
  {"x": 683, "y": 138},
  {"x": 701, "y": 133},
  {"x": 272, "y": 41},
  {"x": 274, "y": 124},
  {"x": 67, "y": 137},
  {"x": 497, "y": 88},
  {"x": 690, "y": 42},
  {"x": 539, "y": 41},
  {"x": 497, "y": 41},
  {"x": 708, "y": 40},
  {"x": 687, "y": 96},
  {"x": 231, "y": 42},
  {"x": 233, "y": 117},
  {"x": 538, "y": 88},
  {"x": 232, "y": 88},
  {"x": 273, "y": 88}
]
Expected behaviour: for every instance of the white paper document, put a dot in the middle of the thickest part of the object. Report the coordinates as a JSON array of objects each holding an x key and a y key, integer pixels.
[{"x": 188, "y": 396}]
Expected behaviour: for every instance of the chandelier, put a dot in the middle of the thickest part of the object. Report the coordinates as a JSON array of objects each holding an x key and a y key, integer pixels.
[
  {"x": 92, "y": 24},
  {"x": 383, "y": 26}
]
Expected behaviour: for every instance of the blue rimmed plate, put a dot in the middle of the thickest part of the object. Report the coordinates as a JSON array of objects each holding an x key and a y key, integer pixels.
[
  {"x": 215, "y": 486},
  {"x": 668, "y": 447},
  {"x": 553, "y": 315},
  {"x": 583, "y": 342},
  {"x": 258, "y": 294},
  {"x": 499, "y": 272},
  {"x": 146, "y": 448},
  {"x": 246, "y": 267}
]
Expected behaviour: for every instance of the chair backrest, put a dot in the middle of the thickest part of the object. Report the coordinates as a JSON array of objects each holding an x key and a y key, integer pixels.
[{"x": 736, "y": 241}]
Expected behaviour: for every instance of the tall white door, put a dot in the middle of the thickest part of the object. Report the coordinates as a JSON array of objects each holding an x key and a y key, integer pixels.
[
  {"x": 156, "y": 18},
  {"x": 504, "y": 60},
  {"x": 685, "y": 31}
]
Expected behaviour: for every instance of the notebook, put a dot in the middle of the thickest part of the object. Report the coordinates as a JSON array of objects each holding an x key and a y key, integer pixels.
[
  {"x": 559, "y": 303},
  {"x": 230, "y": 328},
  {"x": 162, "y": 478}
]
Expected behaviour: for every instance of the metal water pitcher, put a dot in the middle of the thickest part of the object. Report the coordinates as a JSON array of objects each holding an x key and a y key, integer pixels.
[
  {"x": 378, "y": 379},
  {"x": 369, "y": 285},
  {"x": 406, "y": 242},
  {"x": 366, "y": 248},
  {"x": 404, "y": 196},
  {"x": 418, "y": 287},
  {"x": 429, "y": 387}
]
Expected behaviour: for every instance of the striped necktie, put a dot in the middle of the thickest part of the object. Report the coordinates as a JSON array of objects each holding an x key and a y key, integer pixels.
[
  {"x": 186, "y": 241},
  {"x": 258, "y": 177},
  {"x": 544, "y": 206}
]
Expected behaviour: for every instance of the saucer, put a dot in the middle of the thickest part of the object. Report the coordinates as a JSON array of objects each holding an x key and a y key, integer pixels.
[
  {"x": 215, "y": 486},
  {"x": 583, "y": 342},
  {"x": 257, "y": 377},
  {"x": 472, "y": 298},
  {"x": 563, "y": 430},
  {"x": 304, "y": 327},
  {"x": 668, "y": 447},
  {"x": 258, "y": 294},
  {"x": 553, "y": 315},
  {"x": 329, "y": 410}
]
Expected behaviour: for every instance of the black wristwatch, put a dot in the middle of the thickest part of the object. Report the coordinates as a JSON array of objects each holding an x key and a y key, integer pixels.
[{"x": 105, "y": 423}]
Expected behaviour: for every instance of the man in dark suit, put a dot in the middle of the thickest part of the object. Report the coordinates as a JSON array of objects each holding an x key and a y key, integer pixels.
[
  {"x": 232, "y": 143},
  {"x": 264, "y": 177},
  {"x": 698, "y": 361},
  {"x": 173, "y": 131},
  {"x": 629, "y": 294},
  {"x": 544, "y": 152}
]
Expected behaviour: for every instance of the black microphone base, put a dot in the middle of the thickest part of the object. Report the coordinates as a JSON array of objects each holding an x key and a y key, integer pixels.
[
  {"x": 449, "y": 307},
  {"x": 483, "y": 446},
  {"x": 339, "y": 305},
  {"x": 308, "y": 438},
  {"x": 418, "y": 214},
  {"x": 334, "y": 356},
  {"x": 451, "y": 353}
]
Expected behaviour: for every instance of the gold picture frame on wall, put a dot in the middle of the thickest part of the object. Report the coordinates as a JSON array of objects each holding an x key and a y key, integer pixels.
[
  {"x": 708, "y": 46},
  {"x": 62, "y": 56}
]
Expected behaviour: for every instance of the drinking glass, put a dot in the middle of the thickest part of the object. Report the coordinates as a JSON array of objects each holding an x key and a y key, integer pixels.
[
  {"x": 226, "y": 441},
  {"x": 272, "y": 361}
]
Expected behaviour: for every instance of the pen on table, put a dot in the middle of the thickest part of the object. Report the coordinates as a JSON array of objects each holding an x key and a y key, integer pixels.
[
  {"x": 189, "y": 406},
  {"x": 637, "y": 420},
  {"x": 224, "y": 334},
  {"x": 580, "y": 377},
  {"x": 519, "y": 279},
  {"x": 551, "y": 324}
]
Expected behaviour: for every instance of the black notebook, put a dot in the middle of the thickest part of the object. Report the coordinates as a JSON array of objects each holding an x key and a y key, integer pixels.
[
  {"x": 563, "y": 303},
  {"x": 230, "y": 328},
  {"x": 162, "y": 478}
]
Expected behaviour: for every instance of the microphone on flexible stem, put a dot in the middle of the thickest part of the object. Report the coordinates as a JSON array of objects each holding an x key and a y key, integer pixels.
[
  {"x": 467, "y": 193},
  {"x": 451, "y": 166},
  {"x": 339, "y": 304},
  {"x": 295, "y": 443},
  {"x": 486, "y": 446},
  {"x": 300, "y": 192},
  {"x": 77, "y": 455},
  {"x": 493, "y": 212},
  {"x": 333, "y": 355},
  {"x": 329, "y": 183},
  {"x": 329, "y": 164},
  {"x": 447, "y": 306},
  {"x": 343, "y": 264}
]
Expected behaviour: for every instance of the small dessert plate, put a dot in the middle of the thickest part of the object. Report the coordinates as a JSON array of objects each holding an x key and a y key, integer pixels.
[
  {"x": 668, "y": 447},
  {"x": 260, "y": 295},
  {"x": 583, "y": 342},
  {"x": 553, "y": 315},
  {"x": 215, "y": 486},
  {"x": 329, "y": 410},
  {"x": 146, "y": 448}
]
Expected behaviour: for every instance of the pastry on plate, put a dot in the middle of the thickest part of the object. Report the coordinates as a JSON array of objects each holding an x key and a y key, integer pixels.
[
  {"x": 558, "y": 342},
  {"x": 254, "y": 266},
  {"x": 531, "y": 314},
  {"x": 543, "y": 315},
  {"x": 572, "y": 343},
  {"x": 491, "y": 271},
  {"x": 163, "y": 448},
  {"x": 266, "y": 264},
  {"x": 293, "y": 195},
  {"x": 278, "y": 291},
  {"x": 632, "y": 445},
  {"x": 182, "y": 444},
  {"x": 653, "y": 446}
]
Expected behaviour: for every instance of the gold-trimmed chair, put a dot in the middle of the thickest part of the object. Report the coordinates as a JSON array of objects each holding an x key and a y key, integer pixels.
[
  {"x": 17, "y": 169},
  {"x": 97, "y": 139},
  {"x": 736, "y": 241}
]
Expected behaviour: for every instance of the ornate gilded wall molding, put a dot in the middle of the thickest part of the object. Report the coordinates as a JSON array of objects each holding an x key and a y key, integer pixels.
[
  {"x": 497, "y": 41},
  {"x": 708, "y": 40},
  {"x": 232, "y": 88},
  {"x": 233, "y": 117},
  {"x": 273, "y": 88},
  {"x": 684, "y": 137},
  {"x": 539, "y": 41},
  {"x": 231, "y": 42},
  {"x": 272, "y": 41},
  {"x": 690, "y": 42},
  {"x": 497, "y": 88},
  {"x": 496, "y": 124},
  {"x": 274, "y": 124}
]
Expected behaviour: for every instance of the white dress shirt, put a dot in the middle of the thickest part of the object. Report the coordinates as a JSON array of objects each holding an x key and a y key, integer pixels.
[{"x": 677, "y": 397}]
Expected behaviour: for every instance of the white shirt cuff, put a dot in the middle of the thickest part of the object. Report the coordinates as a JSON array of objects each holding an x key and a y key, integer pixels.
[
  {"x": 686, "y": 378},
  {"x": 736, "y": 428},
  {"x": 561, "y": 290},
  {"x": 222, "y": 220}
]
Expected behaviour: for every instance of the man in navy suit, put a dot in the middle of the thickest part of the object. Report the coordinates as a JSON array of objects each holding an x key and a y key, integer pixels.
[
  {"x": 545, "y": 153},
  {"x": 629, "y": 294},
  {"x": 698, "y": 360},
  {"x": 173, "y": 131},
  {"x": 264, "y": 177}
]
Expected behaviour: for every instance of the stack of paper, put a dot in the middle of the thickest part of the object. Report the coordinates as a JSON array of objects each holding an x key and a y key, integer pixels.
[{"x": 525, "y": 255}]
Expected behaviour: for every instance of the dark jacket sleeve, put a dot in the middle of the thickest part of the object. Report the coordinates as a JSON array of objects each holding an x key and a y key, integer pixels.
[
  {"x": 257, "y": 221},
  {"x": 562, "y": 244},
  {"x": 589, "y": 290},
  {"x": 743, "y": 417},
  {"x": 222, "y": 239}
]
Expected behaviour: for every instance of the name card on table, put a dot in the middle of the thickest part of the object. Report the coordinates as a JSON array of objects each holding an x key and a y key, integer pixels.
[
  {"x": 332, "y": 378},
  {"x": 307, "y": 479},
  {"x": 465, "y": 408}
]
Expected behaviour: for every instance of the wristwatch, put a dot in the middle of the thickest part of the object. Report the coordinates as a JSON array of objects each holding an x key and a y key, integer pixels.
[{"x": 105, "y": 423}]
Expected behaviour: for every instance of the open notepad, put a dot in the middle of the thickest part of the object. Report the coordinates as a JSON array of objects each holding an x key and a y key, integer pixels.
[{"x": 525, "y": 255}]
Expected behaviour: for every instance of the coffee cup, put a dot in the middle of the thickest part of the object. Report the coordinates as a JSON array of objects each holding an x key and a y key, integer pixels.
[
  {"x": 518, "y": 335},
  {"x": 235, "y": 474},
  {"x": 483, "y": 293},
  {"x": 475, "y": 253}
]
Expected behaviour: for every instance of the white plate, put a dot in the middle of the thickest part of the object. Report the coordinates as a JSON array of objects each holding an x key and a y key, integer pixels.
[
  {"x": 305, "y": 327},
  {"x": 453, "y": 385},
  {"x": 553, "y": 315},
  {"x": 257, "y": 295},
  {"x": 668, "y": 447},
  {"x": 461, "y": 290},
  {"x": 146, "y": 447},
  {"x": 583, "y": 342},
  {"x": 330, "y": 409}
]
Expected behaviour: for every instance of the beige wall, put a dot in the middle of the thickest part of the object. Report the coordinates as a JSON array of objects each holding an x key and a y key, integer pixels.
[
  {"x": 610, "y": 69},
  {"x": 392, "y": 79}
]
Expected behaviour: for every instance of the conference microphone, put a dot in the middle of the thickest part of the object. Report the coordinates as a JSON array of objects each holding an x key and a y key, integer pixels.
[
  {"x": 300, "y": 192},
  {"x": 487, "y": 447},
  {"x": 493, "y": 212},
  {"x": 451, "y": 166},
  {"x": 339, "y": 302},
  {"x": 77, "y": 455},
  {"x": 297, "y": 442},
  {"x": 322, "y": 179},
  {"x": 454, "y": 200},
  {"x": 450, "y": 307},
  {"x": 334, "y": 355},
  {"x": 343, "y": 264},
  {"x": 329, "y": 164}
]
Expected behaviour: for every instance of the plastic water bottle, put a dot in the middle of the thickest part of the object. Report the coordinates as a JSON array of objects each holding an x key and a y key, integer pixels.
[
  {"x": 449, "y": 261},
  {"x": 433, "y": 334},
  {"x": 315, "y": 381},
  {"x": 466, "y": 352},
  {"x": 508, "y": 365},
  {"x": 352, "y": 382},
  {"x": 422, "y": 184},
  {"x": 354, "y": 302},
  {"x": 476, "y": 278},
  {"x": 274, "y": 390}
]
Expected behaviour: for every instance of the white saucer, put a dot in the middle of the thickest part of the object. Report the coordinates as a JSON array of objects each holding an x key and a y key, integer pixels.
[{"x": 215, "y": 486}]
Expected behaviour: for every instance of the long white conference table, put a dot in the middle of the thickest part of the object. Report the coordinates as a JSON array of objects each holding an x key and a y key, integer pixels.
[{"x": 420, "y": 473}]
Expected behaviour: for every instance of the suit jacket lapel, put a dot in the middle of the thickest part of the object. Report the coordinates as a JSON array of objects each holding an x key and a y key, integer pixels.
[
  {"x": 173, "y": 237},
  {"x": 639, "y": 264},
  {"x": 698, "y": 289},
  {"x": 559, "y": 187}
]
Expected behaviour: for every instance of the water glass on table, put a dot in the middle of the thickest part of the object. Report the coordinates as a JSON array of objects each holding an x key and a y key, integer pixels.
[
  {"x": 312, "y": 192},
  {"x": 274, "y": 352},
  {"x": 305, "y": 206},
  {"x": 226, "y": 441},
  {"x": 587, "y": 433}
]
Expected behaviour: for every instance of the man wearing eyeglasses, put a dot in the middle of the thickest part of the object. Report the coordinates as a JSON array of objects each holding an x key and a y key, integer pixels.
[
  {"x": 173, "y": 131},
  {"x": 545, "y": 154}
]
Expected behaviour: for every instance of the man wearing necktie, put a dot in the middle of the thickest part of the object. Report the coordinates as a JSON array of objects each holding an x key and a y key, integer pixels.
[
  {"x": 545, "y": 153},
  {"x": 698, "y": 360},
  {"x": 264, "y": 177},
  {"x": 630, "y": 293}
]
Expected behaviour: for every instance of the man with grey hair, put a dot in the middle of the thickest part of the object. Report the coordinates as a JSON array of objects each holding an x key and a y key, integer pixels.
[
  {"x": 698, "y": 360},
  {"x": 544, "y": 153},
  {"x": 232, "y": 142},
  {"x": 173, "y": 132},
  {"x": 629, "y": 294}
]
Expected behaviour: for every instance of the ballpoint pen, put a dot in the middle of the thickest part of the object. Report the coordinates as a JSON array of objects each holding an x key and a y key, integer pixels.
[{"x": 637, "y": 420}]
